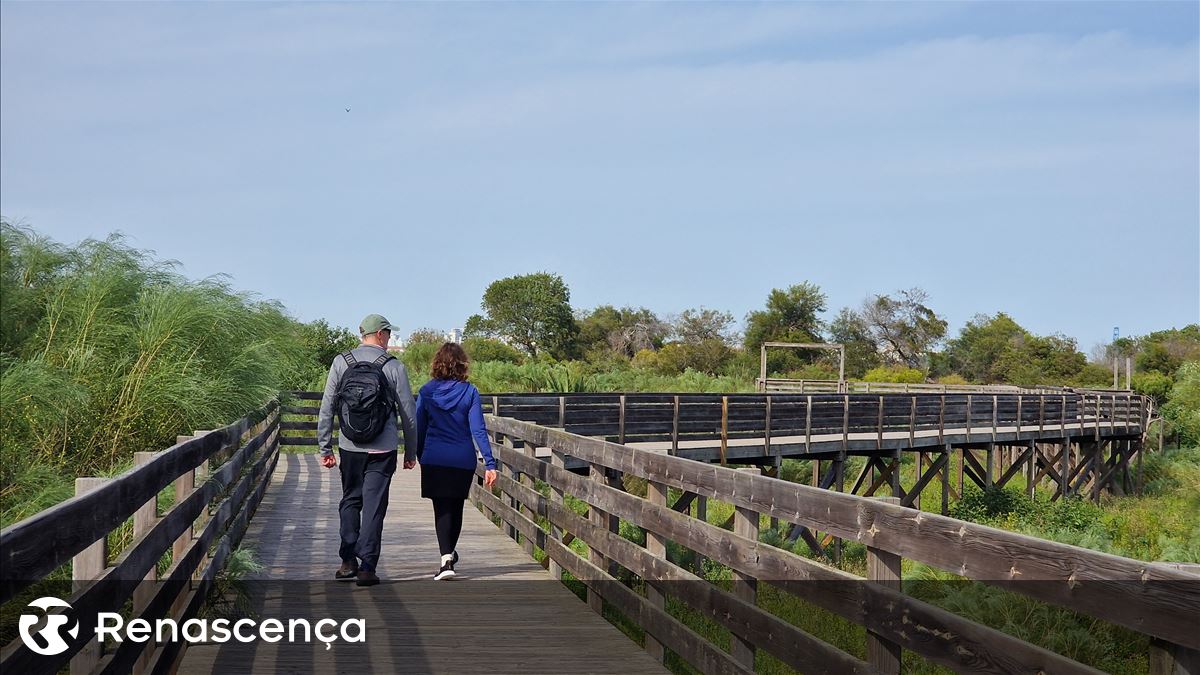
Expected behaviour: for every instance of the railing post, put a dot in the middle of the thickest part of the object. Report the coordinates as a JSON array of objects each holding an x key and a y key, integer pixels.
[
  {"x": 184, "y": 484},
  {"x": 767, "y": 427},
  {"x": 724, "y": 428},
  {"x": 675, "y": 427},
  {"x": 745, "y": 586},
  {"x": 85, "y": 567},
  {"x": 883, "y": 569},
  {"x": 144, "y": 520},
  {"x": 530, "y": 451},
  {"x": 621, "y": 422},
  {"x": 808, "y": 424},
  {"x": 969, "y": 402},
  {"x": 599, "y": 519},
  {"x": 562, "y": 412},
  {"x": 656, "y": 544},
  {"x": 559, "y": 460}
]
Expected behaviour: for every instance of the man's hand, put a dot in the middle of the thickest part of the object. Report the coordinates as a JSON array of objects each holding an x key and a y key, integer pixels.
[
  {"x": 410, "y": 463},
  {"x": 489, "y": 478},
  {"x": 328, "y": 461}
]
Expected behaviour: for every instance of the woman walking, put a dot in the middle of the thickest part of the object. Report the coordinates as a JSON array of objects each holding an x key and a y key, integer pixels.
[{"x": 449, "y": 417}]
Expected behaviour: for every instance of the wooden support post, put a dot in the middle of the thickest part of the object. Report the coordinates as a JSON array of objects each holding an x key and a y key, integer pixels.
[
  {"x": 808, "y": 426},
  {"x": 777, "y": 473},
  {"x": 656, "y": 544},
  {"x": 883, "y": 569},
  {"x": 183, "y": 487},
  {"x": 86, "y": 566},
  {"x": 1097, "y": 453},
  {"x": 767, "y": 428},
  {"x": 946, "y": 452},
  {"x": 839, "y": 468},
  {"x": 989, "y": 474},
  {"x": 559, "y": 460},
  {"x": 143, "y": 521},
  {"x": 969, "y": 402},
  {"x": 1031, "y": 470},
  {"x": 1172, "y": 659},
  {"x": 530, "y": 451},
  {"x": 701, "y": 515},
  {"x": 745, "y": 587},
  {"x": 724, "y": 428},
  {"x": 510, "y": 530},
  {"x": 621, "y": 422},
  {"x": 919, "y": 474},
  {"x": 600, "y": 519},
  {"x": 961, "y": 452},
  {"x": 1064, "y": 466},
  {"x": 675, "y": 428},
  {"x": 894, "y": 479}
]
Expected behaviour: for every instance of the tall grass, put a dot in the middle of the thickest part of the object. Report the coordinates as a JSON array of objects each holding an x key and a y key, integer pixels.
[{"x": 105, "y": 351}]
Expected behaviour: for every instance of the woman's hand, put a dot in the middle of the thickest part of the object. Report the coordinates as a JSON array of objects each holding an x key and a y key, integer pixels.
[{"x": 489, "y": 478}]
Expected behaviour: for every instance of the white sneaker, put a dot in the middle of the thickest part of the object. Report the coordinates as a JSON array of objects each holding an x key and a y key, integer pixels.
[{"x": 447, "y": 571}]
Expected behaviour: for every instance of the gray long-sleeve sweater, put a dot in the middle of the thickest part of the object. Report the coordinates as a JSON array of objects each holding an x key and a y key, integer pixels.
[{"x": 389, "y": 439}]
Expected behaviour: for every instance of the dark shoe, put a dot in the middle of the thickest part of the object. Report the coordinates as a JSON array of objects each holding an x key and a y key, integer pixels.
[
  {"x": 455, "y": 561},
  {"x": 447, "y": 571},
  {"x": 366, "y": 578},
  {"x": 347, "y": 572}
]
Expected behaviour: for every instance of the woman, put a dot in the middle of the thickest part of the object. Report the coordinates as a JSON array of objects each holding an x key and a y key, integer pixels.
[{"x": 449, "y": 416}]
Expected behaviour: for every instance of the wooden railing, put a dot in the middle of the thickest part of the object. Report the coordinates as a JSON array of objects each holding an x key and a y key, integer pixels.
[
  {"x": 219, "y": 477},
  {"x": 828, "y": 421},
  {"x": 1157, "y": 601},
  {"x": 779, "y": 384}
]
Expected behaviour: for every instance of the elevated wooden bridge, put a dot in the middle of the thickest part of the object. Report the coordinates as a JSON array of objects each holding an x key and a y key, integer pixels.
[{"x": 575, "y": 469}]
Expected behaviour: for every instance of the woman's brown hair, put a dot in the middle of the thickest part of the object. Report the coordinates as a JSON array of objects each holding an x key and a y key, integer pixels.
[{"x": 450, "y": 363}]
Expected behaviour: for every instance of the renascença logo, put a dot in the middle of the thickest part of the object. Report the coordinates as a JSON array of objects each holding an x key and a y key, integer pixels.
[
  {"x": 112, "y": 626},
  {"x": 50, "y": 640}
]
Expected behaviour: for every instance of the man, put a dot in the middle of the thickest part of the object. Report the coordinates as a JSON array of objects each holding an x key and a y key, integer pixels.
[{"x": 369, "y": 462}]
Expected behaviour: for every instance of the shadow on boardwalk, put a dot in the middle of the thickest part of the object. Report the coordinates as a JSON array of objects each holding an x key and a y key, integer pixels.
[{"x": 504, "y": 614}]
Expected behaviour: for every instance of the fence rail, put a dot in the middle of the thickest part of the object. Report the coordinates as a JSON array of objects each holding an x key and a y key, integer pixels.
[
  {"x": 1153, "y": 600},
  {"x": 232, "y": 466}
]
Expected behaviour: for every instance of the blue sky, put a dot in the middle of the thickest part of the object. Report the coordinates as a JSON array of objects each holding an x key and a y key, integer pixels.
[{"x": 1041, "y": 159}]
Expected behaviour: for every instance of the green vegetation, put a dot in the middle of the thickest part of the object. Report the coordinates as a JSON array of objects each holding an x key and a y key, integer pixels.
[{"x": 105, "y": 350}]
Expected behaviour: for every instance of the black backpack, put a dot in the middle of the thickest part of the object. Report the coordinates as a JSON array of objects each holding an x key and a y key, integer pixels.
[{"x": 365, "y": 400}]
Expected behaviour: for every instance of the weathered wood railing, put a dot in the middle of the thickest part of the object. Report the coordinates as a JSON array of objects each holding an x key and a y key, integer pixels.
[
  {"x": 833, "y": 421},
  {"x": 1158, "y": 601},
  {"x": 779, "y": 384},
  {"x": 219, "y": 476}
]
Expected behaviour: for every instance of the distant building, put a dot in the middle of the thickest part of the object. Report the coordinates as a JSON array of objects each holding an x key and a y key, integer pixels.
[
  {"x": 455, "y": 335},
  {"x": 396, "y": 344}
]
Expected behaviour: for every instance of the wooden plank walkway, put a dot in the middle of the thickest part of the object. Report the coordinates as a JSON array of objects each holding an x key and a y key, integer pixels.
[{"x": 503, "y": 614}]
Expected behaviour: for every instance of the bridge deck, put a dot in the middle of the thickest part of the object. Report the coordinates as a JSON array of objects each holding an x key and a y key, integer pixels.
[{"x": 504, "y": 613}]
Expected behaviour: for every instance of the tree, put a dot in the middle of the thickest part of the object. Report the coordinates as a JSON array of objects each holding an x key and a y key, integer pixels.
[
  {"x": 624, "y": 331},
  {"x": 694, "y": 326},
  {"x": 850, "y": 330},
  {"x": 487, "y": 349},
  {"x": 980, "y": 344},
  {"x": 426, "y": 336},
  {"x": 790, "y": 316},
  {"x": 904, "y": 330},
  {"x": 325, "y": 342},
  {"x": 533, "y": 311}
]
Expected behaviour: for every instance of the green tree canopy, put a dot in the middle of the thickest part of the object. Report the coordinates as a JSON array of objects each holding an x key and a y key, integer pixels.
[
  {"x": 533, "y": 311},
  {"x": 624, "y": 331},
  {"x": 790, "y": 316},
  {"x": 850, "y": 330},
  {"x": 980, "y": 345},
  {"x": 903, "y": 329}
]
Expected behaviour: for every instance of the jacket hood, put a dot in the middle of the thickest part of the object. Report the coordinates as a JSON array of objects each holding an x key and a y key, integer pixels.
[{"x": 446, "y": 394}]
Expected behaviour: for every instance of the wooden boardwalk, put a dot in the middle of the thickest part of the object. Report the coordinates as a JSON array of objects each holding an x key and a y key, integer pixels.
[{"x": 503, "y": 614}]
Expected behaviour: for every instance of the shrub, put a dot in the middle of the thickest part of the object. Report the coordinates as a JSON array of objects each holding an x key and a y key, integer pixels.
[
  {"x": 895, "y": 374},
  {"x": 952, "y": 378},
  {"x": 1183, "y": 406},
  {"x": 488, "y": 349},
  {"x": 1153, "y": 384}
]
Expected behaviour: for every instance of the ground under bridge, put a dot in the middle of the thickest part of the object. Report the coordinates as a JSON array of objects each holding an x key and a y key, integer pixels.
[{"x": 545, "y": 522}]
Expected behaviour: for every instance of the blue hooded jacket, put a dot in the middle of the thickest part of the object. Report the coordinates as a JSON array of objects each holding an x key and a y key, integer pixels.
[{"x": 449, "y": 415}]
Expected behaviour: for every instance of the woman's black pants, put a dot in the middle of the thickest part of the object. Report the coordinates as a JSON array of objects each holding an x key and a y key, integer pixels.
[{"x": 447, "y": 520}]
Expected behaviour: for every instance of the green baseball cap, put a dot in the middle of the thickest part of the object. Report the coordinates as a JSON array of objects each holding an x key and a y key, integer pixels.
[{"x": 373, "y": 324}]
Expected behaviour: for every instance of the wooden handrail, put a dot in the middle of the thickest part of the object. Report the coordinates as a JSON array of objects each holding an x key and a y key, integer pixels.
[
  {"x": 240, "y": 490},
  {"x": 1083, "y": 580}
]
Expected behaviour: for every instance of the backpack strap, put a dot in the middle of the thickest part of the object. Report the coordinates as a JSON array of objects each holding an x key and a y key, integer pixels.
[
  {"x": 349, "y": 358},
  {"x": 383, "y": 358}
]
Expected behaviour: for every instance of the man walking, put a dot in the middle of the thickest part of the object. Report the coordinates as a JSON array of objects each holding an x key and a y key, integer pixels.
[{"x": 366, "y": 387}]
